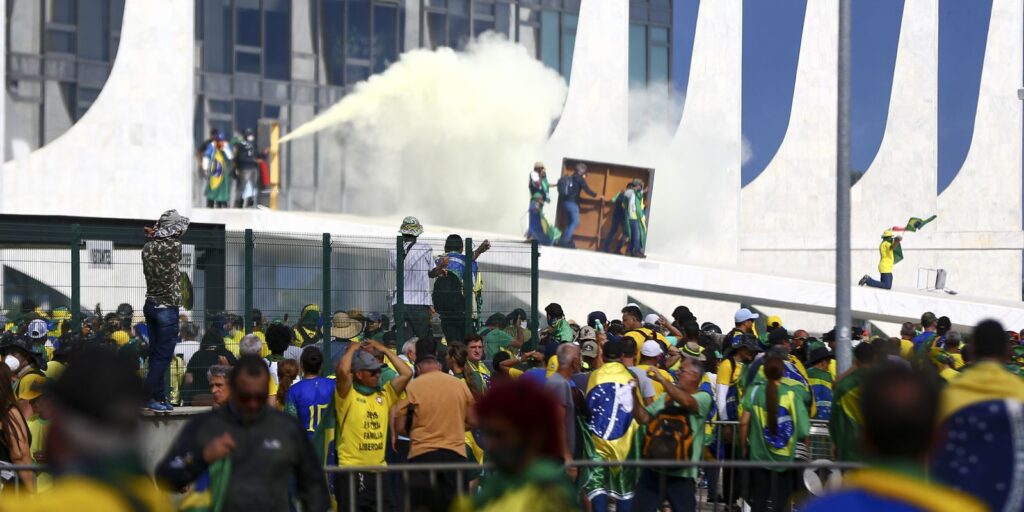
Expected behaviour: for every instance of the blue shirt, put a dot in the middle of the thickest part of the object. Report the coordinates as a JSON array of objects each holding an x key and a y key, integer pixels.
[{"x": 308, "y": 398}]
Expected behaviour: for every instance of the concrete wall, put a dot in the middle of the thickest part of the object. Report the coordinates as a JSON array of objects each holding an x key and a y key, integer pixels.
[{"x": 130, "y": 155}]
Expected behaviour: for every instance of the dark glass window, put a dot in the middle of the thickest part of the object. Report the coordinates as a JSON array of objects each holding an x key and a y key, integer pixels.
[
  {"x": 247, "y": 114},
  {"x": 637, "y": 55},
  {"x": 333, "y": 49},
  {"x": 217, "y": 54},
  {"x": 62, "y": 11},
  {"x": 385, "y": 36},
  {"x": 357, "y": 73},
  {"x": 358, "y": 26},
  {"x": 277, "y": 50},
  {"x": 247, "y": 23},
  {"x": 549, "y": 39},
  {"x": 438, "y": 30},
  {"x": 60, "y": 41},
  {"x": 92, "y": 29},
  {"x": 247, "y": 61},
  {"x": 568, "y": 42}
]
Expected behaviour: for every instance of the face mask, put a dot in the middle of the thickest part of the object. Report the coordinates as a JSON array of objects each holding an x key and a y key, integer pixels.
[
  {"x": 12, "y": 362},
  {"x": 523, "y": 324},
  {"x": 551, "y": 321}
]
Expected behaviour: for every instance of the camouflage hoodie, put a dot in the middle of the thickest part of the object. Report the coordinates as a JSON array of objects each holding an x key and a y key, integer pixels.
[{"x": 160, "y": 258}]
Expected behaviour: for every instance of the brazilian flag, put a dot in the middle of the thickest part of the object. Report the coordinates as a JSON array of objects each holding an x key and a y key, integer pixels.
[
  {"x": 916, "y": 223},
  {"x": 210, "y": 489},
  {"x": 611, "y": 433}
]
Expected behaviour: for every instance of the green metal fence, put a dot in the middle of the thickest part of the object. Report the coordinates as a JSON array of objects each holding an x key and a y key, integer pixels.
[{"x": 77, "y": 274}]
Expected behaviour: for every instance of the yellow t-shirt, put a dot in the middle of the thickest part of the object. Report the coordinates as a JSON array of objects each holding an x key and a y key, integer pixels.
[
  {"x": 658, "y": 388},
  {"x": 958, "y": 361},
  {"x": 264, "y": 349},
  {"x": 54, "y": 369},
  {"x": 906, "y": 349},
  {"x": 515, "y": 373},
  {"x": 364, "y": 426},
  {"x": 888, "y": 259}
]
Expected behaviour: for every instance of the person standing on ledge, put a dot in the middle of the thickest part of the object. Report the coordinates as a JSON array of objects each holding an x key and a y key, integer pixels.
[
  {"x": 887, "y": 253},
  {"x": 160, "y": 258},
  {"x": 569, "y": 188}
]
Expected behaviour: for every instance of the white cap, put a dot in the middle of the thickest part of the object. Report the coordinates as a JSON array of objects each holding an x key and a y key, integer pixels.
[
  {"x": 37, "y": 329},
  {"x": 651, "y": 348},
  {"x": 652, "y": 319},
  {"x": 744, "y": 314}
]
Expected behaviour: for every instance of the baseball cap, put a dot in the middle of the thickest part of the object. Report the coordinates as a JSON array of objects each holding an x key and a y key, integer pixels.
[
  {"x": 373, "y": 317},
  {"x": 817, "y": 355},
  {"x": 587, "y": 333},
  {"x": 613, "y": 349},
  {"x": 37, "y": 329},
  {"x": 589, "y": 349},
  {"x": 652, "y": 318},
  {"x": 744, "y": 314},
  {"x": 774, "y": 321},
  {"x": 364, "y": 360},
  {"x": 651, "y": 348}
]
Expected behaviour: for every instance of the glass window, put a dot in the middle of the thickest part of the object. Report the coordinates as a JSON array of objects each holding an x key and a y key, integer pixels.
[
  {"x": 529, "y": 33},
  {"x": 356, "y": 73},
  {"x": 659, "y": 35},
  {"x": 220, "y": 106},
  {"x": 272, "y": 111},
  {"x": 217, "y": 54},
  {"x": 481, "y": 26},
  {"x": 247, "y": 114},
  {"x": 333, "y": 51},
  {"x": 483, "y": 8},
  {"x": 637, "y": 55},
  {"x": 385, "y": 36},
  {"x": 458, "y": 27},
  {"x": 549, "y": 34},
  {"x": 437, "y": 28},
  {"x": 458, "y": 7},
  {"x": 659, "y": 65},
  {"x": 502, "y": 20},
  {"x": 60, "y": 41},
  {"x": 247, "y": 61},
  {"x": 358, "y": 25},
  {"x": 117, "y": 14},
  {"x": 62, "y": 11},
  {"x": 277, "y": 51},
  {"x": 92, "y": 30},
  {"x": 247, "y": 23},
  {"x": 568, "y": 42}
]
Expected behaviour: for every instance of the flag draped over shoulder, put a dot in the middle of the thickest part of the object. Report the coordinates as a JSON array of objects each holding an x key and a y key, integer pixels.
[
  {"x": 325, "y": 435},
  {"x": 210, "y": 489},
  {"x": 610, "y": 398}
]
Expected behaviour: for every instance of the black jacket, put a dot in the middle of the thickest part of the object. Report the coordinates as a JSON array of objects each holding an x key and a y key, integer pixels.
[
  {"x": 268, "y": 451},
  {"x": 569, "y": 187}
]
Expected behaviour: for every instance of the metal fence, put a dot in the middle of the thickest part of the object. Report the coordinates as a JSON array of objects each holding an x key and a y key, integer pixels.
[
  {"x": 391, "y": 483},
  {"x": 88, "y": 277}
]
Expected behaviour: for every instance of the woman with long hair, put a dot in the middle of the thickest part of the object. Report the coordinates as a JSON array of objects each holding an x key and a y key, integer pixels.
[
  {"x": 287, "y": 372},
  {"x": 15, "y": 439},
  {"x": 773, "y": 419}
]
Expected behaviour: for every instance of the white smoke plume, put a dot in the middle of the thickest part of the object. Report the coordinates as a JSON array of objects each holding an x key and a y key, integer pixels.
[{"x": 447, "y": 136}]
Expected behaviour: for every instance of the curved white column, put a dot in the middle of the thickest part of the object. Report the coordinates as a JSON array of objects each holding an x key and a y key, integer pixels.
[
  {"x": 595, "y": 120},
  {"x": 986, "y": 194},
  {"x": 708, "y": 140},
  {"x": 795, "y": 194},
  {"x": 130, "y": 155},
  {"x": 901, "y": 181}
]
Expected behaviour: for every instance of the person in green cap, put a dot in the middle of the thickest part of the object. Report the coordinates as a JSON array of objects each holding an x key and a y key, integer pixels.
[{"x": 418, "y": 269}]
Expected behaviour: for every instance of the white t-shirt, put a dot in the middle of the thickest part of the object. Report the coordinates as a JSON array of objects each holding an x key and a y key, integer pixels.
[
  {"x": 646, "y": 386},
  {"x": 419, "y": 261}
]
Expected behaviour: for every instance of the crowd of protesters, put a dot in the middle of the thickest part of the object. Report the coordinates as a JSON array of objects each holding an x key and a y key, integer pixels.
[{"x": 934, "y": 416}]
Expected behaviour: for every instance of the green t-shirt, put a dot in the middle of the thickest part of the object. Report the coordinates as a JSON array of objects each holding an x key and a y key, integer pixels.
[
  {"x": 562, "y": 331},
  {"x": 495, "y": 341},
  {"x": 697, "y": 421},
  {"x": 792, "y": 422},
  {"x": 845, "y": 423}
]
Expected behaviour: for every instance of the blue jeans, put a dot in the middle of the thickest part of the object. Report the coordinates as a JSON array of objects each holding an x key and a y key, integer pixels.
[
  {"x": 163, "y": 336},
  {"x": 572, "y": 209},
  {"x": 885, "y": 283},
  {"x": 681, "y": 493},
  {"x": 635, "y": 244},
  {"x": 614, "y": 235}
]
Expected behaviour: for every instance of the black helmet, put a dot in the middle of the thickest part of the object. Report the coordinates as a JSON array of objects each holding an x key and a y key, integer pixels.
[
  {"x": 248, "y": 131},
  {"x": 125, "y": 310}
]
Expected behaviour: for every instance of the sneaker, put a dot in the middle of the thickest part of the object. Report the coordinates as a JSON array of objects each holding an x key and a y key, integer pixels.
[
  {"x": 155, "y": 406},
  {"x": 168, "y": 406},
  {"x": 864, "y": 280}
]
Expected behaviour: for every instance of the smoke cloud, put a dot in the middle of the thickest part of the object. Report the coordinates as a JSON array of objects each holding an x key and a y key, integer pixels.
[{"x": 447, "y": 136}]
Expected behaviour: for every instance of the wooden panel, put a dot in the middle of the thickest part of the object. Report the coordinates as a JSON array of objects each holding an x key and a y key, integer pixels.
[{"x": 607, "y": 180}]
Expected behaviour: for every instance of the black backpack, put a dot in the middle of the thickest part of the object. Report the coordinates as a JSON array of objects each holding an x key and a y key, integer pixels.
[{"x": 563, "y": 185}]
